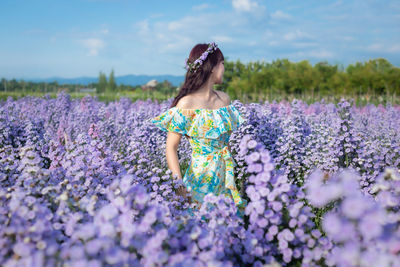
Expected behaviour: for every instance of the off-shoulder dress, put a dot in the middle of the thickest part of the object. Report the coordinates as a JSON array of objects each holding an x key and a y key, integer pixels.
[{"x": 211, "y": 168}]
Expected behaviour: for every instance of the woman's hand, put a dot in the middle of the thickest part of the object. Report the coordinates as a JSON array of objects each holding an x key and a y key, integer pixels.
[{"x": 182, "y": 191}]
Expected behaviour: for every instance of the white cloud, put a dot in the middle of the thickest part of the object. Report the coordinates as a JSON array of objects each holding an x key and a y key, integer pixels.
[
  {"x": 268, "y": 34},
  {"x": 176, "y": 25},
  {"x": 337, "y": 17},
  {"x": 348, "y": 38},
  {"x": 296, "y": 35},
  {"x": 320, "y": 54},
  {"x": 156, "y": 15},
  {"x": 280, "y": 15},
  {"x": 316, "y": 53},
  {"x": 379, "y": 47},
  {"x": 222, "y": 39},
  {"x": 274, "y": 43},
  {"x": 104, "y": 31},
  {"x": 93, "y": 44},
  {"x": 180, "y": 35},
  {"x": 176, "y": 45},
  {"x": 143, "y": 26},
  {"x": 172, "y": 38},
  {"x": 175, "y": 36},
  {"x": 304, "y": 44},
  {"x": 201, "y": 7},
  {"x": 374, "y": 47},
  {"x": 250, "y": 7},
  {"x": 253, "y": 43},
  {"x": 245, "y": 5}
]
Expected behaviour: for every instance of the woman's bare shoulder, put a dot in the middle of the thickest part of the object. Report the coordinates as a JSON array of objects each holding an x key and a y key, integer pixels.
[
  {"x": 185, "y": 102},
  {"x": 225, "y": 97},
  {"x": 190, "y": 101}
]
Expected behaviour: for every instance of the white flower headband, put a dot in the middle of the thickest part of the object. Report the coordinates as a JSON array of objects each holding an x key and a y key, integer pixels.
[{"x": 198, "y": 62}]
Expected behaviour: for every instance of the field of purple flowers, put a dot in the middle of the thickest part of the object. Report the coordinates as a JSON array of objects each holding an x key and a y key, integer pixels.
[{"x": 84, "y": 183}]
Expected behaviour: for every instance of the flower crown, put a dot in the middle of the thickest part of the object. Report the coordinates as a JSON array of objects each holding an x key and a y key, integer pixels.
[{"x": 198, "y": 62}]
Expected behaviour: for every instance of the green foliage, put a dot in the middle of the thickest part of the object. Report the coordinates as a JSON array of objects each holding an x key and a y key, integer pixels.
[
  {"x": 112, "y": 86},
  {"x": 102, "y": 84},
  {"x": 375, "y": 81},
  {"x": 258, "y": 81}
]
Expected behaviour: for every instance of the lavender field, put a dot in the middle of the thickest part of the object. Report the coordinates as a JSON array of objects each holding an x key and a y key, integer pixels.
[{"x": 84, "y": 183}]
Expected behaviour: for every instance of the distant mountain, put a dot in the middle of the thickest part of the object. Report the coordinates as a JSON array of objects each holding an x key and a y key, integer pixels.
[{"x": 125, "y": 79}]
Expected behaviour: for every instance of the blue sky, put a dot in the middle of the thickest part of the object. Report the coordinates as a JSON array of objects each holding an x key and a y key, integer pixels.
[{"x": 73, "y": 38}]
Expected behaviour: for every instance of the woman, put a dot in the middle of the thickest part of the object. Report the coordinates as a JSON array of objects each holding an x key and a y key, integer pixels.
[{"x": 207, "y": 117}]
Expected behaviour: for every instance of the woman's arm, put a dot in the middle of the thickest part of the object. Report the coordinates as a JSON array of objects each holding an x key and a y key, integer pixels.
[{"x": 173, "y": 140}]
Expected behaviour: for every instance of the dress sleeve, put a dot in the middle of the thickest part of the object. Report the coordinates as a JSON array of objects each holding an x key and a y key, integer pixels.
[
  {"x": 199, "y": 123},
  {"x": 237, "y": 118},
  {"x": 171, "y": 120}
]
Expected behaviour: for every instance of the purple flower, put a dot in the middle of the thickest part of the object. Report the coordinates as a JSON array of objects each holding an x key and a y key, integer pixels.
[
  {"x": 348, "y": 255},
  {"x": 287, "y": 234},
  {"x": 258, "y": 205},
  {"x": 255, "y": 168},
  {"x": 254, "y": 156},
  {"x": 268, "y": 167},
  {"x": 262, "y": 222},
  {"x": 265, "y": 157},
  {"x": 353, "y": 207},
  {"x": 299, "y": 232},
  {"x": 310, "y": 243},
  {"x": 292, "y": 223},
  {"x": 108, "y": 212},
  {"x": 77, "y": 252},
  {"x": 107, "y": 229},
  {"x": 22, "y": 249},
  {"x": 370, "y": 226},
  {"x": 141, "y": 198},
  {"x": 86, "y": 232},
  {"x": 331, "y": 224},
  {"x": 316, "y": 233},
  {"x": 276, "y": 206},
  {"x": 283, "y": 244},
  {"x": 321, "y": 196},
  {"x": 251, "y": 144},
  {"x": 273, "y": 230}
]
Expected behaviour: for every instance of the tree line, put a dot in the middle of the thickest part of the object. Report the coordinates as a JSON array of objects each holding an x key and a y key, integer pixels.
[
  {"x": 103, "y": 85},
  {"x": 374, "y": 77}
]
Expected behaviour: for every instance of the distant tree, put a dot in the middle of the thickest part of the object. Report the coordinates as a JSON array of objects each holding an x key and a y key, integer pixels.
[
  {"x": 102, "y": 84},
  {"x": 326, "y": 73},
  {"x": 228, "y": 75},
  {"x": 357, "y": 77},
  {"x": 284, "y": 73},
  {"x": 112, "y": 86},
  {"x": 378, "y": 70},
  {"x": 4, "y": 84},
  {"x": 262, "y": 81},
  {"x": 23, "y": 85},
  {"x": 393, "y": 81},
  {"x": 14, "y": 85}
]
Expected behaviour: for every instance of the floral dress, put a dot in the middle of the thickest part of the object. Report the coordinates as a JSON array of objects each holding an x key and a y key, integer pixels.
[{"x": 211, "y": 168}]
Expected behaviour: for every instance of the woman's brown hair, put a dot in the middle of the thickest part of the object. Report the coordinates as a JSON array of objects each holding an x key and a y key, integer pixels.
[{"x": 194, "y": 80}]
